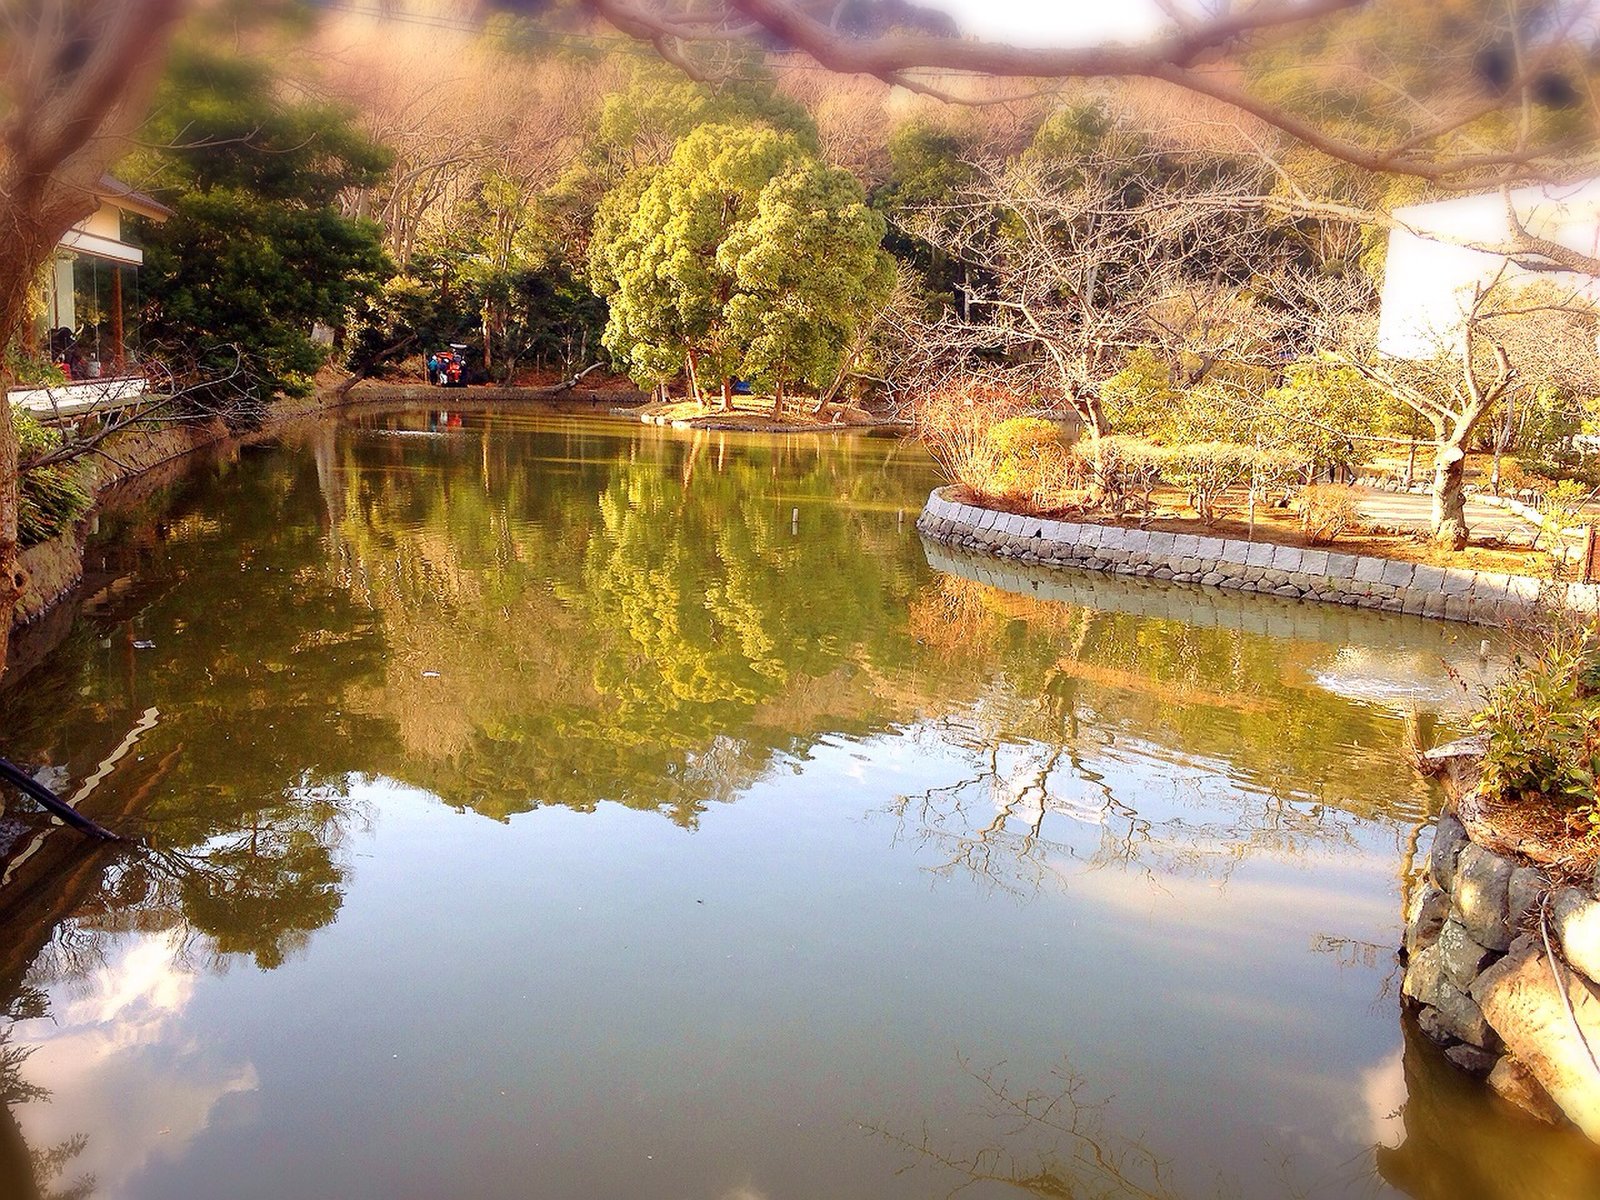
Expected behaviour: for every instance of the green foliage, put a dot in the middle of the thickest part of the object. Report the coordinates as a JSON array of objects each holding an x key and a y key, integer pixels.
[
  {"x": 28, "y": 370},
  {"x": 1325, "y": 413},
  {"x": 743, "y": 254},
  {"x": 1141, "y": 397},
  {"x": 1206, "y": 470},
  {"x": 257, "y": 249},
  {"x": 1542, "y": 722},
  {"x": 1322, "y": 414},
  {"x": 927, "y": 165},
  {"x": 1125, "y": 470},
  {"x": 809, "y": 270},
  {"x": 641, "y": 125},
  {"x": 1027, "y": 462},
  {"x": 52, "y": 498},
  {"x": 1561, "y": 505}
]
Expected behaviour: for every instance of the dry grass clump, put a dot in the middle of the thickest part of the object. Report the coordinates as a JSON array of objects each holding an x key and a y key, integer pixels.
[{"x": 1328, "y": 510}]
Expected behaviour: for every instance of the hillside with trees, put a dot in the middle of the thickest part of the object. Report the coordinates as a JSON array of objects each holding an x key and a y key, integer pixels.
[{"x": 1175, "y": 250}]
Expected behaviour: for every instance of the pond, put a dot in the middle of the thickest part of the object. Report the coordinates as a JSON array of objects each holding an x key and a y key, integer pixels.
[{"x": 559, "y": 807}]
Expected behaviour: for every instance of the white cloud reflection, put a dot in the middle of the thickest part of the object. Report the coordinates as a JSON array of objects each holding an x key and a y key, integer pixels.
[{"x": 120, "y": 1070}]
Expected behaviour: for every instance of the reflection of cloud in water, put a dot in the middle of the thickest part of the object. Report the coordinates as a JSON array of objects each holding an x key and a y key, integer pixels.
[
  {"x": 1383, "y": 1092},
  {"x": 119, "y": 1070},
  {"x": 1375, "y": 676},
  {"x": 1244, "y": 912}
]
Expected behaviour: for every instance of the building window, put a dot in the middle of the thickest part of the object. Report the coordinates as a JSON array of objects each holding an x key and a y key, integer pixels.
[{"x": 89, "y": 334}]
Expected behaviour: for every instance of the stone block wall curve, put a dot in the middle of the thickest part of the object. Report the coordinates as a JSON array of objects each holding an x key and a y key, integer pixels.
[{"x": 1477, "y": 597}]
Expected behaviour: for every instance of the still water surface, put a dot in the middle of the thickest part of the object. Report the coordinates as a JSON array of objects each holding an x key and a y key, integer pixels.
[{"x": 537, "y": 808}]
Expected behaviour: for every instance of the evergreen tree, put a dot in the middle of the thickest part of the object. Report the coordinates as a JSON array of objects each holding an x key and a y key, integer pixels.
[{"x": 257, "y": 250}]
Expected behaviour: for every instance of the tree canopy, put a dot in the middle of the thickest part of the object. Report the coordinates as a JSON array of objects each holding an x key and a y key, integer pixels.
[
  {"x": 742, "y": 255},
  {"x": 257, "y": 249}
]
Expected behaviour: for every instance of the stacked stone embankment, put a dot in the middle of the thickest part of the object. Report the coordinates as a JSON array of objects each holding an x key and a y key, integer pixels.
[
  {"x": 1479, "y": 597},
  {"x": 1501, "y": 971}
]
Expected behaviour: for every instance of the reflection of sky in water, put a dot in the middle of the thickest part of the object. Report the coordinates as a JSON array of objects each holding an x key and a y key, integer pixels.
[
  {"x": 1409, "y": 680},
  {"x": 732, "y": 1003},
  {"x": 639, "y": 851},
  {"x": 122, "y": 1066}
]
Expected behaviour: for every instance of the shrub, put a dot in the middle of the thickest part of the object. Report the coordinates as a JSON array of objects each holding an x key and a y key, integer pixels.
[
  {"x": 1123, "y": 470},
  {"x": 1025, "y": 460},
  {"x": 1560, "y": 505},
  {"x": 1514, "y": 478},
  {"x": 1326, "y": 511},
  {"x": 954, "y": 422},
  {"x": 51, "y": 497},
  {"x": 1542, "y": 724},
  {"x": 1206, "y": 470}
]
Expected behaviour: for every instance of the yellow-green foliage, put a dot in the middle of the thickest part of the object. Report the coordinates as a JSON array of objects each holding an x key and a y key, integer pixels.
[
  {"x": 1141, "y": 396},
  {"x": 1024, "y": 459},
  {"x": 1205, "y": 470},
  {"x": 1124, "y": 469},
  {"x": 52, "y": 498}
]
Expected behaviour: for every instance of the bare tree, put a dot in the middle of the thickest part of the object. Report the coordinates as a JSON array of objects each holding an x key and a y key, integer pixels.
[
  {"x": 1071, "y": 259},
  {"x": 1199, "y": 51},
  {"x": 1509, "y": 340},
  {"x": 76, "y": 79}
]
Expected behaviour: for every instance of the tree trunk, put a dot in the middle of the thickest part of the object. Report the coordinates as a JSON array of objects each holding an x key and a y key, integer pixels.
[
  {"x": 64, "y": 127},
  {"x": 489, "y": 342},
  {"x": 16, "y": 277},
  {"x": 11, "y": 578},
  {"x": 777, "y": 399},
  {"x": 1449, "y": 495},
  {"x": 727, "y": 394},
  {"x": 692, "y": 363}
]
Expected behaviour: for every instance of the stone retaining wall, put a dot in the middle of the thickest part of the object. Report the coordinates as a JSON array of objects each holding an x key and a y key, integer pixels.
[
  {"x": 1501, "y": 969},
  {"x": 1479, "y": 597}
]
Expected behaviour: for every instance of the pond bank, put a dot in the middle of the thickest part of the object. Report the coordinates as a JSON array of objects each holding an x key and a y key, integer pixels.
[
  {"x": 757, "y": 418},
  {"x": 1263, "y": 568},
  {"x": 54, "y": 568},
  {"x": 556, "y": 397},
  {"x": 1502, "y": 964}
]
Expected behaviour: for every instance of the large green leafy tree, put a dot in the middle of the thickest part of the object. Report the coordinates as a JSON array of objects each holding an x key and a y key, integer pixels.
[
  {"x": 257, "y": 250},
  {"x": 809, "y": 269},
  {"x": 742, "y": 254}
]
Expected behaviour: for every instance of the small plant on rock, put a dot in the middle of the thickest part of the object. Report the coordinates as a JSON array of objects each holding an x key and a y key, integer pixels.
[{"x": 1542, "y": 725}]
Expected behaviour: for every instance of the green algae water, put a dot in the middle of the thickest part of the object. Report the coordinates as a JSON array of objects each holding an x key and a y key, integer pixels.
[{"x": 555, "y": 807}]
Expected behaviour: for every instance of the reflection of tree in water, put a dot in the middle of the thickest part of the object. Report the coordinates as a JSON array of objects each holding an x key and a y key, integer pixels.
[
  {"x": 651, "y": 632},
  {"x": 1235, "y": 752},
  {"x": 1049, "y": 1141},
  {"x": 1203, "y": 692},
  {"x": 29, "y": 1173}
]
